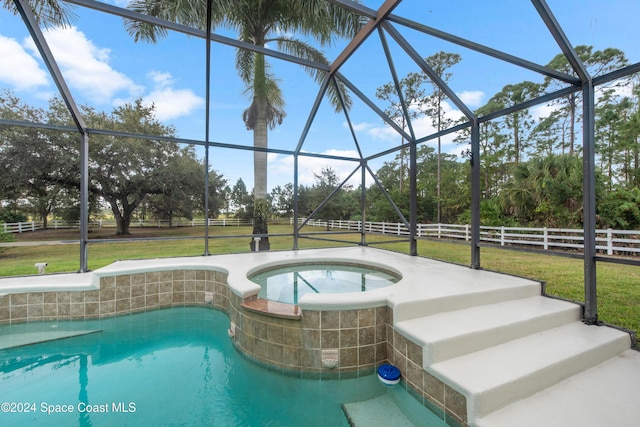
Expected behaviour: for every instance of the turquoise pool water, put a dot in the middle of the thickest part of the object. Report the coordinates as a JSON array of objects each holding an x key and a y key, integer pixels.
[
  {"x": 289, "y": 284},
  {"x": 172, "y": 367}
]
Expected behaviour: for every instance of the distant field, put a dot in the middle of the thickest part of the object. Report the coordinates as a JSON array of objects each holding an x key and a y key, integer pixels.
[{"x": 618, "y": 285}]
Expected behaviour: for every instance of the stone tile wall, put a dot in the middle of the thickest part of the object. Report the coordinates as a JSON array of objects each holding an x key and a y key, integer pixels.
[
  {"x": 122, "y": 294},
  {"x": 442, "y": 400}
]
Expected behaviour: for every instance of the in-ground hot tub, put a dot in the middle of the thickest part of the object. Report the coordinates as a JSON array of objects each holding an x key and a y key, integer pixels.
[{"x": 289, "y": 283}]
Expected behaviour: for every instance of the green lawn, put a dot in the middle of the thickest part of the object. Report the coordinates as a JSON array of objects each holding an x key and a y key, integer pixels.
[{"x": 618, "y": 285}]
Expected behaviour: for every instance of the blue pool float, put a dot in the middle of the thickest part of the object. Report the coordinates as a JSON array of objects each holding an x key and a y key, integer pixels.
[{"x": 389, "y": 374}]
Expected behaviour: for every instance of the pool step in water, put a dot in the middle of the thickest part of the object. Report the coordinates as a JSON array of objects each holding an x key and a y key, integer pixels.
[
  {"x": 380, "y": 411},
  {"x": 29, "y": 338}
]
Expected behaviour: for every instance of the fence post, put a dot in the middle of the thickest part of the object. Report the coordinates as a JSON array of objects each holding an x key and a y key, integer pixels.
[
  {"x": 439, "y": 230},
  {"x": 609, "y": 241},
  {"x": 466, "y": 232},
  {"x": 546, "y": 239},
  {"x": 502, "y": 236}
]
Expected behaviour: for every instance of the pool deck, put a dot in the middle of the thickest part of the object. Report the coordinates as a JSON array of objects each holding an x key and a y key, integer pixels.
[{"x": 519, "y": 358}]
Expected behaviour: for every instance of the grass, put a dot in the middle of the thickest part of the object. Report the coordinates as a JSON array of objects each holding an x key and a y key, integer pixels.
[
  {"x": 19, "y": 260},
  {"x": 618, "y": 285}
]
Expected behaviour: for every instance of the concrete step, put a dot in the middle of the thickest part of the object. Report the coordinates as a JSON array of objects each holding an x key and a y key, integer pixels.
[
  {"x": 470, "y": 290},
  {"x": 448, "y": 335},
  {"x": 496, "y": 376}
]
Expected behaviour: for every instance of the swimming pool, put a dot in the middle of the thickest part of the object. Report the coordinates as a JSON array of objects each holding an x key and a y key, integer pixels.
[
  {"x": 290, "y": 283},
  {"x": 166, "y": 367}
]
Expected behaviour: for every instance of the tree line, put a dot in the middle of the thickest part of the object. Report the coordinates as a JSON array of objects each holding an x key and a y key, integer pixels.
[
  {"x": 531, "y": 167},
  {"x": 151, "y": 178},
  {"x": 130, "y": 177}
]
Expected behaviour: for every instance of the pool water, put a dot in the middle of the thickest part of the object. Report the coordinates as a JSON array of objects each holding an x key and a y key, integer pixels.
[
  {"x": 289, "y": 284},
  {"x": 171, "y": 367}
]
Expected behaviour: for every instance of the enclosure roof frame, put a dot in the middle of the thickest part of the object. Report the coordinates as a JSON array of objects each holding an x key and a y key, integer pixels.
[{"x": 384, "y": 21}]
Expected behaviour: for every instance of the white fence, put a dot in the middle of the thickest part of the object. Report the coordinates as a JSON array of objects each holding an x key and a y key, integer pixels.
[
  {"x": 20, "y": 227},
  {"x": 620, "y": 242},
  {"x": 608, "y": 241}
]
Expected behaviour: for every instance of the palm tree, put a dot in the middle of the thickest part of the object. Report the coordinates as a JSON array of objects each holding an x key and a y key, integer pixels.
[
  {"x": 50, "y": 13},
  {"x": 260, "y": 22}
]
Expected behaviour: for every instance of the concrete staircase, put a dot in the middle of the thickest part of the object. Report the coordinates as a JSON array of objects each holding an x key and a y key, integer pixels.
[{"x": 497, "y": 353}]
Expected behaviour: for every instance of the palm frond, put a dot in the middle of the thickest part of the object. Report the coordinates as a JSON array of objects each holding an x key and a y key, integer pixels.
[
  {"x": 274, "y": 100},
  {"x": 303, "y": 50},
  {"x": 319, "y": 19},
  {"x": 49, "y": 13},
  {"x": 245, "y": 63}
]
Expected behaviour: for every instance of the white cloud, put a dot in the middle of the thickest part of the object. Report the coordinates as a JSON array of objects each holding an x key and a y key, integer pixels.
[
  {"x": 422, "y": 127},
  {"x": 85, "y": 66},
  {"x": 281, "y": 167},
  {"x": 169, "y": 102},
  {"x": 19, "y": 69},
  {"x": 375, "y": 131},
  {"x": 172, "y": 103},
  {"x": 386, "y": 133},
  {"x": 542, "y": 111},
  {"x": 161, "y": 79},
  {"x": 472, "y": 98},
  {"x": 86, "y": 69},
  {"x": 360, "y": 127}
]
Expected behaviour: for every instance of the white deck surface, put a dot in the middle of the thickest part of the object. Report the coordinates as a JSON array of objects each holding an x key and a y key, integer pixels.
[
  {"x": 605, "y": 395},
  {"x": 519, "y": 359}
]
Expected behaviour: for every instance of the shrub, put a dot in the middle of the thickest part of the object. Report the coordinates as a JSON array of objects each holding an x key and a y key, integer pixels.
[
  {"x": 620, "y": 209},
  {"x": 4, "y": 238},
  {"x": 7, "y": 216}
]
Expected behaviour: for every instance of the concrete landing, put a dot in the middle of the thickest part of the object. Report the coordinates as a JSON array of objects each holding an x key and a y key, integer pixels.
[
  {"x": 499, "y": 375},
  {"x": 605, "y": 395}
]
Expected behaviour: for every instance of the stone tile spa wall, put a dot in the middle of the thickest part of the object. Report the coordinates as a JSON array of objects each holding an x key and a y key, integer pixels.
[
  {"x": 355, "y": 339},
  {"x": 359, "y": 339}
]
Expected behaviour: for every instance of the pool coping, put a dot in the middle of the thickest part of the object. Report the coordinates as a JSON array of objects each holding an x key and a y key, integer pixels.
[{"x": 415, "y": 272}]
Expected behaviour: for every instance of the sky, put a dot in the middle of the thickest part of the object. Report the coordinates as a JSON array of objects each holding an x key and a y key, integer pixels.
[{"x": 105, "y": 68}]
